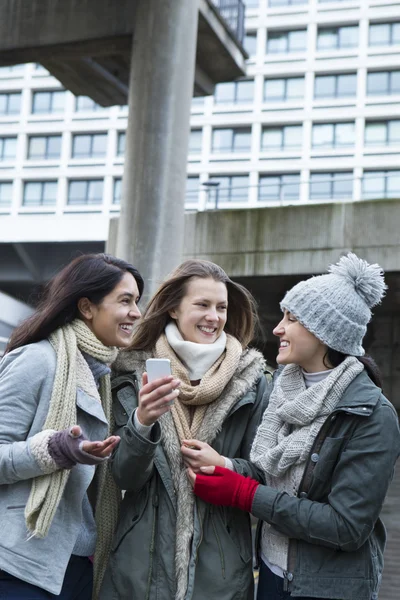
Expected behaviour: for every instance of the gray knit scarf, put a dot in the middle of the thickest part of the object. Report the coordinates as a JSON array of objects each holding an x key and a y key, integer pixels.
[{"x": 295, "y": 415}]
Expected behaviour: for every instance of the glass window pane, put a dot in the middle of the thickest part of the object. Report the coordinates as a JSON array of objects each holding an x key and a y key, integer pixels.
[
  {"x": 223, "y": 190},
  {"x": 274, "y": 89},
  {"x": 54, "y": 146},
  {"x": 9, "y": 148},
  {"x": 224, "y": 92},
  {"x": 346, "y": 85},
  {"x": 195, "y": 140},
  {"x": 395, "y": 82},
  {"x": 37, "y": 147},
  {"x": 327, "y": 39},
  {"x": 117, "y": 191},
  {"x": 378, "y": 83},
  {"x": 250, "y": 43},
  {"x": 374, "y": 184},
  {"x": 5, "y": 193},
  {"x": 375, "y": 133},
  {"x": 325, "y": 86},
  {"x": 3, "y": 104},
  {"x": 320, "y": 186},
  {"x": 49, "y": 192},
  {"x": 293, "y": 136},
  {"x": 342, "y": 186},
  {"x": 81, "y": 146},
  {"x": 344, "y": 134},
  {"x": 269, "y": 188},
  {"x": 394, "y": 132},
  {"x": 32, "y": 193},
  {"x": 121, "y": 143},
  {"x": 295, "y": 87},
  {"x": 77, "y": 192},
  {"x": 41, "y": 102},
  {"x": 222, "y": 140},
  {"x": 95, "y": 193},
  {"x": 192, "y": 189},
  {"x": 393, "y": 184},
  {"x": 241, "y": 141},
  {"x": 239, "y": 188},
  {"x": 58, "y": 101},
  {"x": 99, "y": 145},
  {"x": 272, "y": 138},
  {"x": 395, "y": 33},
  {"x": 290, "y": 187},
  {"x": 244, "y": 91},
  {"x": 379, "y": 34},
  {"x": 323, "y": 136},
  {"x": 348, "y": 37},
  {"x": 14, "y": 104},
  {"x": 277, "y": 42},
  {"x": 297, "y": 41}
]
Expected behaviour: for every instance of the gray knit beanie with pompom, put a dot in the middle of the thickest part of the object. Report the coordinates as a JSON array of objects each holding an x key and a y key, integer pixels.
[{"x": 336, "y": 307}]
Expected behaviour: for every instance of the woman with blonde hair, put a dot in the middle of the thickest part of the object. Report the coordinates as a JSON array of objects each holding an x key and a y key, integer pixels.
[{"x": 168, "y": 545}]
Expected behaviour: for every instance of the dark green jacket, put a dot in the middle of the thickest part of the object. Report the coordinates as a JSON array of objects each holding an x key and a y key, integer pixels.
[
  {"x": 336, "y": 536},
  {"x": 142, "y": 563}
]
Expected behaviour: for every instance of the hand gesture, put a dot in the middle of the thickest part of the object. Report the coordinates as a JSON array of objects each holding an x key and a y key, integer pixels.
[
  {"x": 199, "y": 454},
  {"x": 156, "y": 398}
]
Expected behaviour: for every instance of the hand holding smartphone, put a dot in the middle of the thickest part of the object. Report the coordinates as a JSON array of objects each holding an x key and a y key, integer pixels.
[{"x": 157, "y": 367}]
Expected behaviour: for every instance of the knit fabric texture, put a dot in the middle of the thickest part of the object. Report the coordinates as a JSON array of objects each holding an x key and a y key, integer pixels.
[
  {"x": 47, "y": 490},
  {"x": 289, "y": 426},
  {"x": 336, "y": 307}
]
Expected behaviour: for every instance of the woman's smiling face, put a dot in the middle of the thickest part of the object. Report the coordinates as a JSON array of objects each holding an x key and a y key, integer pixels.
[
  {"x": 202, "y": 312},
  {"x": 298, "y": 345}
]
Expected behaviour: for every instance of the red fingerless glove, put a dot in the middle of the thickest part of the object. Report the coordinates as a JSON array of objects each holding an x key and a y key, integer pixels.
[{"x": 226, "y": 488}]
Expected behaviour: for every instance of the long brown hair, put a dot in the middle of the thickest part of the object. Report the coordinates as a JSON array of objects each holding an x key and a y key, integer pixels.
[
  {"x": 242, "y": 312},
  {"x": 91, "y": 276}
]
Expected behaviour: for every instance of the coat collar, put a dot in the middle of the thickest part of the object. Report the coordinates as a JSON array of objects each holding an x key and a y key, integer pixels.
[{"x": 361, "y": 396}]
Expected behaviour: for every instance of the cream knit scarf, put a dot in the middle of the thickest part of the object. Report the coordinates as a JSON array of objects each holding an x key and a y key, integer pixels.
[
  {"x": 210, "y": 411},
  {"x": 295, "y": 415},
  {"x": 47, "y": 490}
]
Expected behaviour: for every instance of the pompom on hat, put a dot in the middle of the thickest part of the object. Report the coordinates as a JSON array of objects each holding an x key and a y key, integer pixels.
[{"x": 336, "y": 307}]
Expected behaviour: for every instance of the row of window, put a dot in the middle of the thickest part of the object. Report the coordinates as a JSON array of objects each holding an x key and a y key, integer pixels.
[
  {"x": 45, "y": 102},
  {"x": 290, "y": 137},
  {"x": 255, "y": 3},
  {"x": 283, "y": 89},
  {"x": 48, "y": 147},
  {"x": 81, "y": 192},
  {"x": 286, "y": 187},
  {"x": 328, "y": 38}
]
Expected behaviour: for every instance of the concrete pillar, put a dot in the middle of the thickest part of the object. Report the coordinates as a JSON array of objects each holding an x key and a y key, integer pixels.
[{"x": 150, "y": 232}]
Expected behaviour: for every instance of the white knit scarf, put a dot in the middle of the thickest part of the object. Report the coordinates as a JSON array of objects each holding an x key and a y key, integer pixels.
[
  {"x": 197, "y": 358},
  {"x": 295, "y": 415},
  {"x": 47, "y": 490}
]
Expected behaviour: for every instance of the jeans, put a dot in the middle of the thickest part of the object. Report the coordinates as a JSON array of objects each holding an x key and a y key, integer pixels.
[
  {"x": 78, "y": 583},
  {"x": 270, "y": 587}
]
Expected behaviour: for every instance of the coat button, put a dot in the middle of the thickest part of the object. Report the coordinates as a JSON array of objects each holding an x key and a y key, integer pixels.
[
  {"x": 333, "y": 417},
  {"x": 364, "y": 408},
  {"x": 315, "y": 457},
  {"x": 303, "y": 495},
  {"x": 290, "y": 576}
]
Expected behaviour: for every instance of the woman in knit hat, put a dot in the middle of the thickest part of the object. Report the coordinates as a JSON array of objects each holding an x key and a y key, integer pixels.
[
  {"x": 167, "y": 546},
  {"x": 58, "y": 501},
  {"x": 326, "y": 447}
]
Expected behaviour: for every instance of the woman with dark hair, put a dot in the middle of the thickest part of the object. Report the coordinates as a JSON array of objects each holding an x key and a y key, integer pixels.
[
  {"x": 168, "y": 546},
  {"x": 327, "y": 446},
  {"x": 58, "y": 501}
]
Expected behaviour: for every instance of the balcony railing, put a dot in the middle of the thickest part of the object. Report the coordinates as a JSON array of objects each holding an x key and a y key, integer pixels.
[{"x": 232, "y": 12}]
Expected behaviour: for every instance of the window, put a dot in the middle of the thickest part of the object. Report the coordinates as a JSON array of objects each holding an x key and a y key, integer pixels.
[
  {"x": 231, "y": 140},
  {"x": 117, "y": 193},
  {"x": 384, "y": 34},
  {"x": 287, "y": 41},
  {"x": 250, "y": 43},
  {"x": 281, "y": 138},
  {"x": 8, "y": 148},
  {"x": 273, "y": 188},
  {"x": 92, "y": 145},
  {"x": 286, "y": 2},
  {"x": 84, "y": 103},
  {"x": 195, "y": 140},
  {"x": 334, "y": 38},
  {"x": 381, "y": 184},
  {"x": 192, "y": 190},
  {"x": 383, "y": 83},
  {"x": 281, "y": 90},
  {"x": 121, "y": 143},
  {"x": 333, "y": 135},
  {"x": 251, "y": 3},
  {"x": 85, "y": 191},
  {"x": 232, "y": 188},
  {"x": 335, "y": 86},
  {"x": 331, "y": 186},
  {"x": 48, "y": 102},
  {"x": 5, "y": 193},
  {"x": 236, "y": 92},
  {"x": 382, "y": 133},
  {"x": 40, "y": 193},
  {"x": 10, "y": 104},
  {"x": 44, "y": 147}
]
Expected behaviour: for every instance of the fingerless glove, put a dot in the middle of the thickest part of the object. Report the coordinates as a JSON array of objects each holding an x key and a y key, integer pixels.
[
  {"x": 66, "y": 450},
  {"x": 226, "y": 488}
]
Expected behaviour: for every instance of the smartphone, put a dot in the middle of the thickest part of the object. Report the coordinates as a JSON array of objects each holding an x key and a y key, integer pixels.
[{"x": 157, "y": 367}]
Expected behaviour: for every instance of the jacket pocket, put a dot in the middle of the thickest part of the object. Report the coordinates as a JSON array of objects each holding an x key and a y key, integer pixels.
[
  {"x": 237, "y": 531},
  {"x": 131, "y": 514}
]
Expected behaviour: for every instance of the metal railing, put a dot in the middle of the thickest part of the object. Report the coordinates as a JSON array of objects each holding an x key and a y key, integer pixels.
[{"x": 232, "y": 12}]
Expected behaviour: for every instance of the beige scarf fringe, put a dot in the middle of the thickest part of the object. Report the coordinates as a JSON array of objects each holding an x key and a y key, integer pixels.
[{"x": 47, "y": 490}]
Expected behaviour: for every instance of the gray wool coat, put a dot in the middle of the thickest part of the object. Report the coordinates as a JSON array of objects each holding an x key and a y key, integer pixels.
[{"x": 142, "y": 563}]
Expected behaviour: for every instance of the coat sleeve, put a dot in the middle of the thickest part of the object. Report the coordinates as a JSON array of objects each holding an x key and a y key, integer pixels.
[
  {"x": 359, "y": 484},
  {"x": 22, "y": 376},
  {"x": 243, "y": 465}
]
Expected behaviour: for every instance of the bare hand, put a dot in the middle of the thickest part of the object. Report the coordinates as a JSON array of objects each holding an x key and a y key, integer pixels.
[
  {"x": 98, "y": 449},
  {"x": 199, "y": 454},
  {"x": 156, "y": 398}
]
